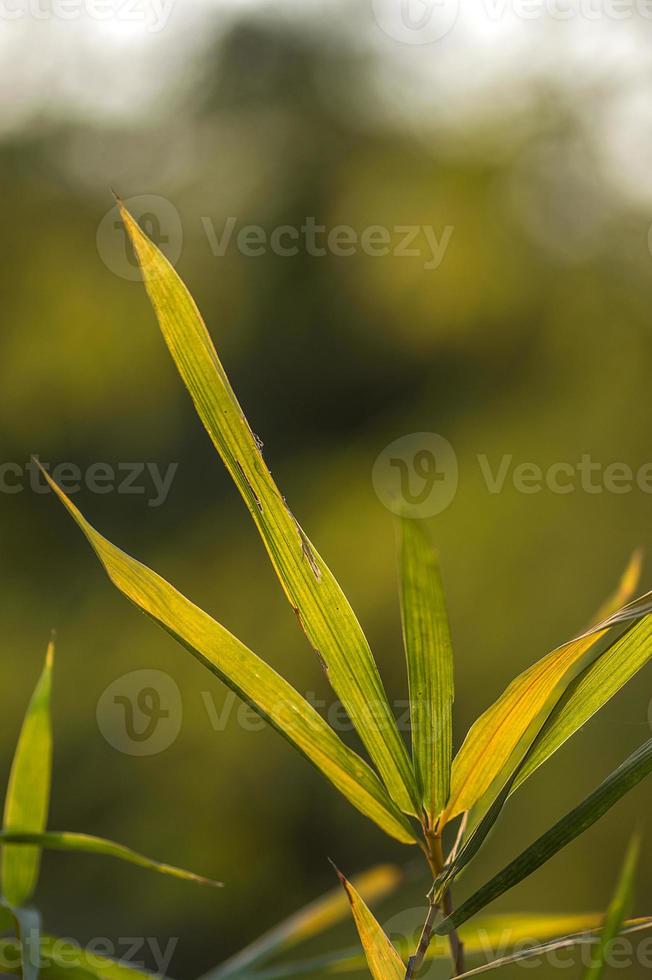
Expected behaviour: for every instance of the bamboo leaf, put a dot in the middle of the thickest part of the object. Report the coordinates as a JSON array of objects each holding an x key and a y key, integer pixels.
[
  {"x": 619, "y": 909},
  {"x": 491, "y": 936},
  {"x": 321, "y": 607},
  {"x": 625, "y": 590},
  {"x": 382, "y": 959},
  {"x": 429, "y": 655},
  {"x": 589, "y": 692},
  {"x": 629, "y": 774},
  {"x": 56, "y": 840},
  {"x": 314, "y": 919},
  {"x": 250, "y": 677},
  {"x": 565, "y": 942},
  {"x": 500, "y": 739},
  {"x": 28, "y": 792}
]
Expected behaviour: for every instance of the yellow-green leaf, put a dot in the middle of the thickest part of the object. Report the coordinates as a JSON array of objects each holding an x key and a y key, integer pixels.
[
  {"x": 619, "y": 909},
  {"x": 61, "y": 840},
  {"x": 312, "y": 920},
  {"x": 250, "y": 677},
  {"x": 321, "y": 607},
  {"x": 429, "y": 655},
  {"x": 589, "y": 692},
  {"x": 501, "y": 737},
  {"x": 28, "y": 791},
  {"x": 625, "y": 588},
  {"x": 382, "y": 959}
]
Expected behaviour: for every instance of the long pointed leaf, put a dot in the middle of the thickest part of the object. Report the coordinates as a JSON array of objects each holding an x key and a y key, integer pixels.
[
  {"x": 382, "y": 959},
  {"x": 250, "y": 677},
  {"x": 500, "y": 739},
  {"x": 589, "y": 692},
  {"x": 314, "y": 919},
  {"x": 429, "y": 655},
  {"x": 619, "y": 909},
  {"x": 28, "y": 792},
  {"x": 61, "y": 840},
  {"x": 321, "y": 607},
  {"x": 628, "y": 775}
]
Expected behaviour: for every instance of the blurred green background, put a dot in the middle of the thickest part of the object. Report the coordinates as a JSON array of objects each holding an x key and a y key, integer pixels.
[{"x": 532, "y": 338}]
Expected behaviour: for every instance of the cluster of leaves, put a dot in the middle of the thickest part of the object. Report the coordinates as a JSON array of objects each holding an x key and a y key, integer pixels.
[
  {"x": 22, "y": 839},
  {"x": 412, "y": 797}
]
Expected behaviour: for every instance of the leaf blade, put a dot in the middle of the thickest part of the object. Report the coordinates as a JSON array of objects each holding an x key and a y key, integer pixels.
[
  {"x": 322, "y": 609},
  {"x": 619, "y": 909},
  {"x": 28, "y": 791},
  {"x": 64, "y": 840},
  {"x": 382, "y": 959},
  {"x": 635, "y": 768},
  {"x": 429, "y": 656},
  {"x": 250, "y": 677}
]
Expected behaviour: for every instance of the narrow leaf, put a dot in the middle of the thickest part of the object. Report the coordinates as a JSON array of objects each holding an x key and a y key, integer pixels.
[
  {"x": 502, "y": 736},
  {"x": 628, "y": 775},
  {"x": 55, "y": 840},
  {"x": 250, "y": 677},
  {"x": 314, "y": 919},
  {"x": 382, "y": 959},
  {"x": 28, "y": 792},
  {"x": 321, "y": 607},
  {"x": 429, "y": 655},
  {"x": 625, "y": 589},
  {"x": 578, "y": 939},
  {"x": 589, "y": 692},
  {"x": 619, "y": 908}
]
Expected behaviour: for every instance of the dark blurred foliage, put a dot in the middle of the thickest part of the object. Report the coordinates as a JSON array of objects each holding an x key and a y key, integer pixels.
[{"x": 532, "y": 338}]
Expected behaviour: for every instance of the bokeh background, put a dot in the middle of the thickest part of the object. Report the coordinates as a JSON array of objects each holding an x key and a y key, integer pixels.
[{"x": 532, "y": 339}]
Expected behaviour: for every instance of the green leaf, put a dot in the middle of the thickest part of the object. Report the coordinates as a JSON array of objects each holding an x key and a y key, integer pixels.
[
  {"x": 250, "y": 677},
  {"x": 318, "y": 601},
  {"x": 314, "y": 919},
  {"x": 64, "y": 959},
  {"x": 565, "y": 942},
  {"x": 628, "y": 775},
  {"x": 56, "y": 840},
  {"x": 589, "y": 692},
  {"x": 429, "y": 655},
  {"x": 500, "y": 739},
  {"x": 382, "y": 959},
  {"x": 619, "y": 908},
  {"x": 28, "y": 792}
]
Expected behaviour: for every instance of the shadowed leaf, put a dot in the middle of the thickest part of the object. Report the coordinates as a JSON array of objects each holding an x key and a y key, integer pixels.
[
  {"x": 55, "y": 840},
  {"x": 628, "y": 775}
]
